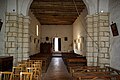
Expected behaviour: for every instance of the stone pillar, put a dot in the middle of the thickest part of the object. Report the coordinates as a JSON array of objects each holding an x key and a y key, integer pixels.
[
  {"x": 20, "y": 37},
  {"x": 104, "y": 39},
  {"x": 98, "y": 39},
  {"x": 26, "y": 39},
  {"x": 11, "y": 29},
  {"x": 17, "y": 36},
  {"x": 89, "y": 45}
]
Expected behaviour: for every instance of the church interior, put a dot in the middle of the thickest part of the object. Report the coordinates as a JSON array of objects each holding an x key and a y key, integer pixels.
[{"x": 59, "y": 40}]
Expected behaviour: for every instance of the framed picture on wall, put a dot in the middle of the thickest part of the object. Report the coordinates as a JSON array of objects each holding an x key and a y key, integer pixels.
[
  {"x": 65, "y": 38},
  {"x": 1, "y": 23},
  {"x": 114, "y": 29},
  {"x": 47, "y": 38}
]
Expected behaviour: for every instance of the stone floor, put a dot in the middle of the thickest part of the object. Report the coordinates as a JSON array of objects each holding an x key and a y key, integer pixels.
[{"x": 57, "y": 70}]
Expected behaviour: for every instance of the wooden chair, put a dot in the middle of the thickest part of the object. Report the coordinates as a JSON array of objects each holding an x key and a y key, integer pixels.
[
  {"x": 33, "y": 61},
  {"x": 38, "y": 68},
  {"x": 23, "y": 61},
  {"x": 16, "y": 72},
  {"x": 26, "y": 75},
  {"x": 38, "y": 60},
  {"x": 36, "y": 72},
  {"x": 23, "y": 66},
  {"x": 6, "y": 75},
  {"x": 28, "y": 64}
]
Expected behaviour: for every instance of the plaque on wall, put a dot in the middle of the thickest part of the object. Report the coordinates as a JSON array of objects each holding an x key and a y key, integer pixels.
[
  {"x": 0, "y": 24},
  {"x": 65, "y": 38},
  {"x": 114, "y": 29},
  {"x": 47, "y": 38}
]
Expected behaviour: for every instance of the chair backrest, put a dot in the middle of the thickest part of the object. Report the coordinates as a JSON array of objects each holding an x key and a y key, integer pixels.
[
  {"x": 26, "y": 75},
  {"x": 33, "y": 61},
  {"x": 31, "y": 69},
  {"x": 23, "y": 61},
  {"x": 38, "y": 60},
  {"x": 28, "y": 64},
  {"x": 6, "y": 75},
  {"x": 16, "y": 72},
  {"x": 23, "y": 66}
]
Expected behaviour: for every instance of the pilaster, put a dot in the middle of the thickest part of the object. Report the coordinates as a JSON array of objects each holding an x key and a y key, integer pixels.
[
  {"x": 98, "y": 39},
  {"x": 17, "y": 36}
]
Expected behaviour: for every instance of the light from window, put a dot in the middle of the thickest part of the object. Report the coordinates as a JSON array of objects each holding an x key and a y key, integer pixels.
[{"x": 37, "y": 30}]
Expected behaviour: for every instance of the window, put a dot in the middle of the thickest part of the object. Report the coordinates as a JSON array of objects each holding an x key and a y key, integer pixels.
[{"x": 37, "y": 30}]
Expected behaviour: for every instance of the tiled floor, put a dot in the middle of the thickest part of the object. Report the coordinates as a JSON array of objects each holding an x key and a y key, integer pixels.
[{"x": 57, "y": 70}]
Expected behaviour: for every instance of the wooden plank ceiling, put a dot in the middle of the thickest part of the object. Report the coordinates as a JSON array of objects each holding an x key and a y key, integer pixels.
[{"x": 56, "y": 12}]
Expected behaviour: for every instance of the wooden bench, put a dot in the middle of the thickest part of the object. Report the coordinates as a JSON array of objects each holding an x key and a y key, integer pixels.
[
  {"x": 45, "y": 57},
  {"x": 90, "y": 72}
]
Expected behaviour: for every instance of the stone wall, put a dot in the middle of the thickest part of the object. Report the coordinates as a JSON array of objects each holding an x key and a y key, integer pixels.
[
  {"x": 17, "y": 36},
  {"x": 114, "y": 9},
  {"x": 79, "y": 34},
  {"x": 98, "y": 39},
  {"x": 35, "y": 39},
  {"x": 3, "y": 4},
  {"x": 60, "y": 31}
]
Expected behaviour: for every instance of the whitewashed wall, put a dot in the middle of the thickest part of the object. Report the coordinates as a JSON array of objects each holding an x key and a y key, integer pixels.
[
  {"x": 114, "y": 9},
  {"x": 92, "y": 6},
  {"x": 61, "y": 31},
  {"x": 19, "y": 6},
  {"x": 2, "y": 16},
  {"x": 79, "y": 27},
  {"x": 34, "y": 46}
]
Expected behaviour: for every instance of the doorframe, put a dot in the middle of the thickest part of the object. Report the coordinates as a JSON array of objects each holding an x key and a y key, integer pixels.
[{"x": 58, "y": 43}]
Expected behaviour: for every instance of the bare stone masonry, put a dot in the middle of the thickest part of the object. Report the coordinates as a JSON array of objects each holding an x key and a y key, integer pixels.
[
  {"x": 17, "y": 36},
  {"x": 98, "y": 40}
]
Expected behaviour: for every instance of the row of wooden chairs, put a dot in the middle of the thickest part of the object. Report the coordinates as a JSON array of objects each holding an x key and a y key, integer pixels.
[
  {"x": 9, "y": 76},
  {"x": 26, "y": 70},
  {"x": 34, "y": 66}
]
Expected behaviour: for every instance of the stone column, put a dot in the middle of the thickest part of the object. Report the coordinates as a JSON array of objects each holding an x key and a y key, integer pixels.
[
  {"x": 26, "y": 38},
  {"x": 20, "y": 37},
  {"x": 11, "y": 33},
  {"x": 104, "y": 39},
  {"x": 98, "y": 39},
  {"x": 17, "y": 36},
  {"x": 89, "y": 45}
]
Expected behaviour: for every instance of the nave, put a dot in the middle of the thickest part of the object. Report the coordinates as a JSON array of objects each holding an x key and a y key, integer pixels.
[{"x": 57, "y": 70}]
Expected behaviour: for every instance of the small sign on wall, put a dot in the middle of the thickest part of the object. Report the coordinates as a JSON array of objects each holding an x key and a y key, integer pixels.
[
  {"x": 114, "y": 29},
  {"x": 0, "y": 24},
  {"x": 65, "y": 39},
  {"x": 47, "y": 38}
]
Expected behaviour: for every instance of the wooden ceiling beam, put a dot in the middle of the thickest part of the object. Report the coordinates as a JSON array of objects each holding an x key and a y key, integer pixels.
[
  {"x": 54, "y": 14},
  {"x": 55, "y": 19},
  {"x": 56, "y": 23},
  {"x": 57, "y": 4},
  {"x": 56, "y": 0},
  {"x": 55, "y": 10},
  {"x": 57, "y": 7},
  {"x": 68, "y": 17}
]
